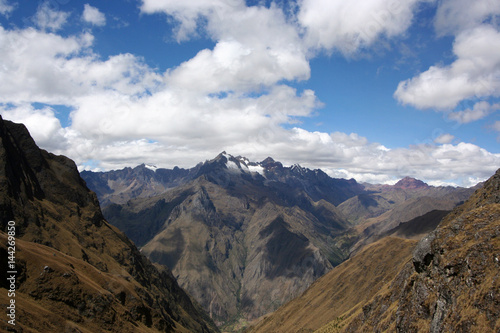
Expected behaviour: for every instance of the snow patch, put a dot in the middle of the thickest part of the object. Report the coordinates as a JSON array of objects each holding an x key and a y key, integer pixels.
[
  {"x": 231, "y": 165},
  {"x": 256, "y": 168},
  {"x": 151, "y": 167}
]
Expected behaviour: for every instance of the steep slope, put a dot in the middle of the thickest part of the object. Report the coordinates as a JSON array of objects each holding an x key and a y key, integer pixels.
[
  {"x": 452, "y": 283},
  {"x": 242, "y": 244},
  {"x": 449, "y": 282},
  {"x": 418, "y": 227},
  {"x": 76, "y": 271},
  {"x": 344, "y": 288}
]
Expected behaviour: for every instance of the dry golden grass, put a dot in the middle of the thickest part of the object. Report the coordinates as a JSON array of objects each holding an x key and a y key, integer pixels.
[
  {"x": 52, "y": 285},
  {"x": 342, "y": 290}
]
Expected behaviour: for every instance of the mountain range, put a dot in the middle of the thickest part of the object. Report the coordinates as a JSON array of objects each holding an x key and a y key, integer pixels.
[
  {"x": 242, "y": 238},
  {"x": 245, "y": 237}
]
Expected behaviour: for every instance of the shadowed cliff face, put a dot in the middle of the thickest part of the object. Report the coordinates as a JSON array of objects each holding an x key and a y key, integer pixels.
[{"x": 77, "y": 272}]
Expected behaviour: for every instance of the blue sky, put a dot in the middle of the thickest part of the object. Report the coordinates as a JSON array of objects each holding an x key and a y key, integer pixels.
[{"x": 373, "y": 89}]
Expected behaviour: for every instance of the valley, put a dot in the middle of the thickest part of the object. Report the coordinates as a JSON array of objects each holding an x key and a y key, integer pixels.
[{"x": 244, "y": 238}]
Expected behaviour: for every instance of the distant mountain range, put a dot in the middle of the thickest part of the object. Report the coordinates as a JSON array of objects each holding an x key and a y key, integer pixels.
[
  {"x": 246, "y": 237},
  {"x": 145, "y": 181}
]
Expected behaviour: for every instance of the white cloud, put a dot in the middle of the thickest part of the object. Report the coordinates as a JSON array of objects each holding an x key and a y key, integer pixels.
[
  {"x": 349, "y": 25},
  {"x": 5, "y": 7},
  {"x": 48, "y": 19},
  {"x": 255, "y": 46},
  {"x": 456, "y": 16},
  {"x": 479, "y": 111},
  {"x": 475, "y": 73},
  {"x": 93, "y": 16},
  {"x": 234, "y": 97},
  {"x": 444, "y": 138},
  {"x": 182, "y": 118},
  {"x": 188, "y": 13},
  {"x": 233, "y": 66},
  {"x": 47, "y": 68},
  {"x": 43, "y": 125}
]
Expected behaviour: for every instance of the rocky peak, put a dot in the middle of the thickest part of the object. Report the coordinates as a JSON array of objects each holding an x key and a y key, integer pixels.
[
  {"x": 271, "y": 165},
  {"x": 409, "y": 183},
  {"x": 296, "y": 168}
]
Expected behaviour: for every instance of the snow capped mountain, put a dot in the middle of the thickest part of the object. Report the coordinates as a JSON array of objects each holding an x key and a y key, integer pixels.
[
  {"x": 151, "y": 167},
  {"x": 147, "y": 180}
]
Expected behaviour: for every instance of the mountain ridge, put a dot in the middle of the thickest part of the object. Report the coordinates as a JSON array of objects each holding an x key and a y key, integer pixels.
[
  {"x": 269, "y": 170},
  {"x": 70, "y": 261}
]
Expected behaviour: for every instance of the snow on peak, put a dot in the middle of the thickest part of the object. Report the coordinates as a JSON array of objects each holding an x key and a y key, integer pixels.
[
  {"x": 297, "y": 168},
  {"x": 151, "y": 167},
  {"x": 232, "y": 165},
  {"x": 257, "y": 168}
]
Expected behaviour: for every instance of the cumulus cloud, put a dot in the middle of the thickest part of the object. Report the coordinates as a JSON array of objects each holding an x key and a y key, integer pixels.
[
  {"x": 479, "y": 111},
  {"x": 93, "y": 16},
  {"x": 347, "y": 25},
  {"x": 456, "y": 16},
  {"x": 47, "y": 68},
  {"x": 444, "y": 138},
  {"x": 48, "y": 19},
  {"x": 255, "y": 46},
  {"x": 474, "y": 74},
  {"x": 232, "y": 66}
]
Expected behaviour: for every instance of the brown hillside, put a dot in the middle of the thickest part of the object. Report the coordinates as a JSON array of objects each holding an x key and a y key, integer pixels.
[
  {"x": 452, "y": 283},
  {"x": 448, "y": 283},
  {"x": 59, "y": 224},
  {"x": 240, "y": 252},
  {"x": 343, "y": 289}
]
